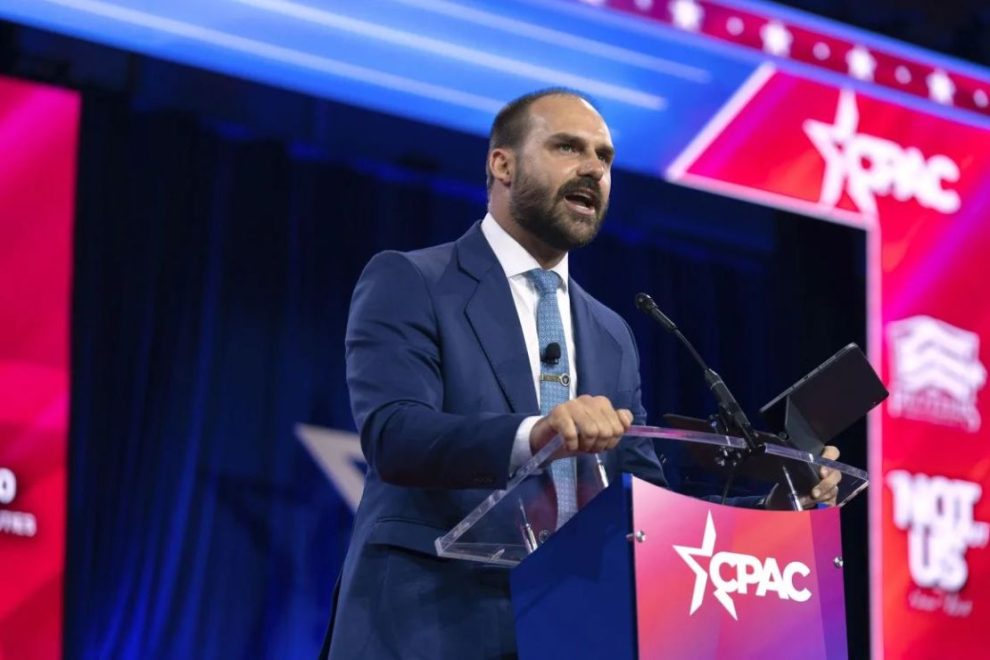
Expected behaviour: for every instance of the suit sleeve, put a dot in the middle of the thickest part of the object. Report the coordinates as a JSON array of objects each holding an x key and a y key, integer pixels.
[
  {"x": 396, "y": 385},
  {"x": 638, "y": 456}
]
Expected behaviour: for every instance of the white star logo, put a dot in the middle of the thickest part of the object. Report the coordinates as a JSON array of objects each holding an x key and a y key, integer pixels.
[
  {"x": 339, "y": 455},
  {"x": 829, "y": 140},
  {"x": 687, "y": 14},
  {"x": 861, "y": 63},
  {"x": 707, "y": 548},
  {"x": 776, "y": 39},
  {"x": 940, "y": 87}
]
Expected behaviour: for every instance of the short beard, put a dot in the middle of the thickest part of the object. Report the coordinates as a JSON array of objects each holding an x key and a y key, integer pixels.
[{"x": 541, "y": 213}]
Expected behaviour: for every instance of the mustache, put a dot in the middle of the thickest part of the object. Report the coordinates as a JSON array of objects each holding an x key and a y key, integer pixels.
[{"x": 581, "y": 185}]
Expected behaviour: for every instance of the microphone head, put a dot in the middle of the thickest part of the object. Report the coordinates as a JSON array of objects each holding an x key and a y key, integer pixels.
[
  {"x": 552, "y": 353},
  {"x": 644, "y": 302}
]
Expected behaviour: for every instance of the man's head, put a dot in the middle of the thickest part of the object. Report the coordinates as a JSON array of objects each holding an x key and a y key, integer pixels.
[{"x": 549, "y": 169}]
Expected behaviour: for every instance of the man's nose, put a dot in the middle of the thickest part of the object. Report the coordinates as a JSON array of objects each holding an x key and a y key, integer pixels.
[{"x": 593, "y": 167}]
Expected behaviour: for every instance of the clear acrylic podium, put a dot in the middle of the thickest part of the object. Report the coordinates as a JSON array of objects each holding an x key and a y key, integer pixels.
[
  {"x": 511, "y": 524},
  {"x": 644, "y": 572}
]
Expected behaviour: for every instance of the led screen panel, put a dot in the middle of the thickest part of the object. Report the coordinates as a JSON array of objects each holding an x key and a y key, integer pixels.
[{"x": 38, "y": 134}]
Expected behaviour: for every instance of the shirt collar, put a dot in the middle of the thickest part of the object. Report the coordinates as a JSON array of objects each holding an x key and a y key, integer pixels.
[{"x": 512, "y": 256}]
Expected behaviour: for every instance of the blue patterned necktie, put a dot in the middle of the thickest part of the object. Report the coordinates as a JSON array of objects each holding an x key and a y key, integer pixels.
[{"x": 554, "y": 384}]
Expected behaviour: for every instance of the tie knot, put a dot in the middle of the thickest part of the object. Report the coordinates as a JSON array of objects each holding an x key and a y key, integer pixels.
[{"x": 545, "y": 281}]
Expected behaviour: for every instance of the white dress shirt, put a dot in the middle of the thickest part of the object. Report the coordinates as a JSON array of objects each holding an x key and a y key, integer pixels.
[{"x": 515, "y": 262}]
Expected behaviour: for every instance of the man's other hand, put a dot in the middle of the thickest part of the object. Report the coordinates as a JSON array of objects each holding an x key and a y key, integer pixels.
[
  {"x": 825, "y": 491},
  {"x": 587, "y": 424}
]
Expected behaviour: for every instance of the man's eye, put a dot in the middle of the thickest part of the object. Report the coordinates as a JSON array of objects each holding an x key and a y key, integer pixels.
[{"x": 567, "y": 148}]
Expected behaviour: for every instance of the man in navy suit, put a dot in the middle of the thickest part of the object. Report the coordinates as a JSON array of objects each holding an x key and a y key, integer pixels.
[{"x": 443, "y": 368}]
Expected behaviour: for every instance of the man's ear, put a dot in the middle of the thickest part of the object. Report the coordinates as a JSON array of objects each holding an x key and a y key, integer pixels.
[{"x": 501, "y": 164}]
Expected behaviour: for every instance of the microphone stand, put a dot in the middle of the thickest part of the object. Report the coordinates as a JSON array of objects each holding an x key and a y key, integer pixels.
[{"x": 730, "y": 418}]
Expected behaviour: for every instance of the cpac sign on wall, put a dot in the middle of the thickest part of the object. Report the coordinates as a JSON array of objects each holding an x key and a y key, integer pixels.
[{"x": 917, "y": 182}]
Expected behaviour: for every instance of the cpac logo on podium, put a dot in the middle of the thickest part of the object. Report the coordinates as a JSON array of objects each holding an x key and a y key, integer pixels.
[
  {"x": 866, "y": 166},
  {"x": 936, "y": 373},
  {"x": 733, "y": 573}
]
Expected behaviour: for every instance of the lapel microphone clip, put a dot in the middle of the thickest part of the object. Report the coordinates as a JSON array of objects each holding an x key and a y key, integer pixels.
[{"x": 551, "y": 355}]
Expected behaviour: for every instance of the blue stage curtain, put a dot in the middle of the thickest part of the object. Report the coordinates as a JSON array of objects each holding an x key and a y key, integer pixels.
[{"x": 212, "y": 279}]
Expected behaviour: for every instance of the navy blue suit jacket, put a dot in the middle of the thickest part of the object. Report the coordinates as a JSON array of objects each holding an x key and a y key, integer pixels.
[{"x": 440, "y": 380}]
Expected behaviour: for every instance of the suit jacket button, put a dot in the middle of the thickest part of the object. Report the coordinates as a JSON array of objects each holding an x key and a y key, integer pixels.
[{"x": 543, "y": 536}]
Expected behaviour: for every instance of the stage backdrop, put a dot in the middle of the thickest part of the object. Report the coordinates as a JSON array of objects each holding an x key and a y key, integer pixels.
[
  {"x": 38, "y": 135},
  {"x": 740, "y": 98},
  {"x": 213, "y": 275}
]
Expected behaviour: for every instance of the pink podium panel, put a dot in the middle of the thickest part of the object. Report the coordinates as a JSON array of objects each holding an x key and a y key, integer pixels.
[{"x": 716, "y": 581}]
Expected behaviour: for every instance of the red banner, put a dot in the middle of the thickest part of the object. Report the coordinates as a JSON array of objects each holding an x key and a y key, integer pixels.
[
  {"x": 919, "y": 183},
  {"x": 38, "y": 136}
]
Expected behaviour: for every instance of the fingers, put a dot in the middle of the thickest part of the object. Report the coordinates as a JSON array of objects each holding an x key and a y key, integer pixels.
[
  {"x": 826, "y": 491},
  {"x": 598, "y": 422},
  {"x": 831, "y": 453},
  {"x": 830, "y": 479},
  {"x": 566, "y": 426},
  {"x": 588, "y": 424}
]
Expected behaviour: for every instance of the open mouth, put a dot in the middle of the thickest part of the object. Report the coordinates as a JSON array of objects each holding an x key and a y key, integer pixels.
[{"x": 582, "y": 201}]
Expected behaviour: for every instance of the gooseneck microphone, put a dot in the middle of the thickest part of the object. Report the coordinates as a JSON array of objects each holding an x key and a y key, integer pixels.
[
  {"x": 730, "y": 412},
  {"x": 551, "y": 355}
]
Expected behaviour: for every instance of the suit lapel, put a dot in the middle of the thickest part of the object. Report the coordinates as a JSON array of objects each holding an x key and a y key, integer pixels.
[
  {"x": 492, "y": 315},
  {"x": 598, "y": 352}
]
